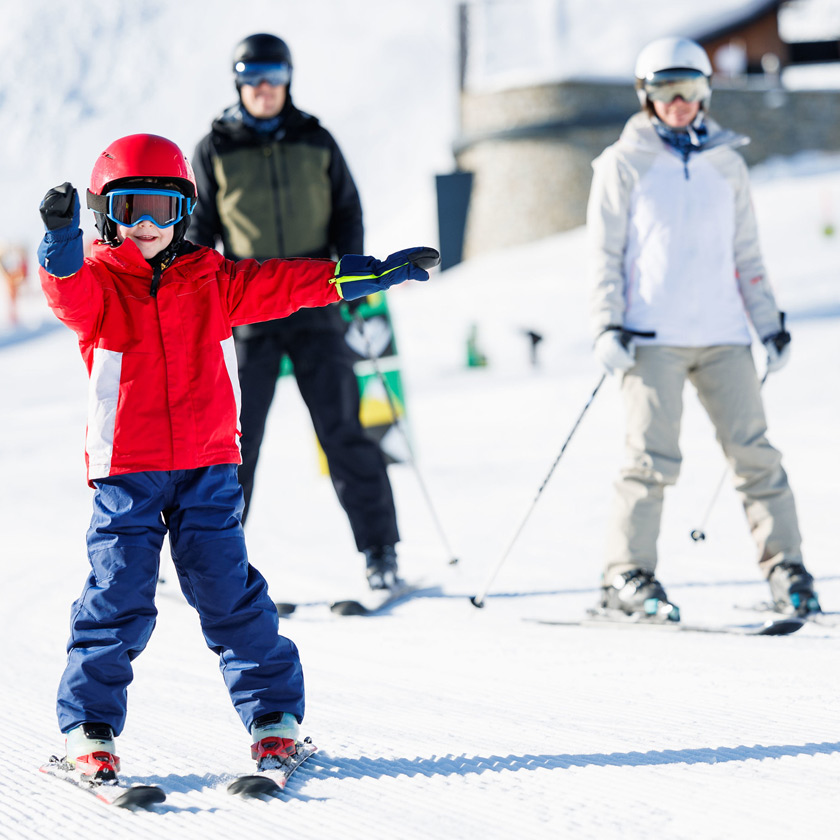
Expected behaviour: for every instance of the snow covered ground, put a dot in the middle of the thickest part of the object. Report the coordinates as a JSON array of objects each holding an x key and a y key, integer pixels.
[{"x": 439, "y": 719}]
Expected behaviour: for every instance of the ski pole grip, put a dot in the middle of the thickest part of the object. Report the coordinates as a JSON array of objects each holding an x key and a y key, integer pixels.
[{"x": 626, "y": 335}]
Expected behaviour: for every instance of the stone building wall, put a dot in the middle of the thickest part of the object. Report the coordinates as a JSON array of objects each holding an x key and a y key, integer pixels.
[{"x": 531, "y": 149}]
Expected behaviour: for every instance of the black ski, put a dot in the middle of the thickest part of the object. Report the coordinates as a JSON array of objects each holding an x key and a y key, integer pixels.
[
  {"x": 378, "y": 601},
  {"x": 136, "y": 797},
  {"x": 271, "y": 782},
  {"x": 372, "y": 603},
  {"x": 598, "y": 618}
]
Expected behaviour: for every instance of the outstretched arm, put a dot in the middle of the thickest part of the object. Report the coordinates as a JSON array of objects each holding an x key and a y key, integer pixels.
[{"x": 277, "y": 288}]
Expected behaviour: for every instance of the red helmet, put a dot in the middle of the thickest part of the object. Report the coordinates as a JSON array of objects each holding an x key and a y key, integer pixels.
[{"x": 142, "y": 156}]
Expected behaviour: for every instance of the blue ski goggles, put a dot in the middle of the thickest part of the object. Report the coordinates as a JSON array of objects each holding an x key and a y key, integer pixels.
[
  {"x": 667, "y": 85},
  {"x": 255, "y": 74},
  {"x": 163, "y": 208}
]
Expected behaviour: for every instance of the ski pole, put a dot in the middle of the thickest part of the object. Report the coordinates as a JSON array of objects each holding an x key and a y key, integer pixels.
[
  {"x": 372, "y": 358},
  {"x": 478, "y": 600},
  {"x": 699, "y": 534}
]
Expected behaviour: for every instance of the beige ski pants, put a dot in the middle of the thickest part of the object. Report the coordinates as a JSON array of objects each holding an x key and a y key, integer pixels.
[{"x": 728, "y": 388}]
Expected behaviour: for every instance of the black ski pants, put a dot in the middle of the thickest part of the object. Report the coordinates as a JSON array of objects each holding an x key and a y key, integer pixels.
[{"x": 323, "y": 369}]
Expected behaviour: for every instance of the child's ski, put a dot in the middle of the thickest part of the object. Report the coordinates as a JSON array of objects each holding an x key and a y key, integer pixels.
[{"x": 136, "y": 797}]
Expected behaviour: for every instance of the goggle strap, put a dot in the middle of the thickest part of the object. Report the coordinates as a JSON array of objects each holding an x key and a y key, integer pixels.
[{"x": 97, "y": 203}]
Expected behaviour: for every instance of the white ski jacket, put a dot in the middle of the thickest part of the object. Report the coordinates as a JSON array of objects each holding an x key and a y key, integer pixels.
[{"x": 673, "y": 244}]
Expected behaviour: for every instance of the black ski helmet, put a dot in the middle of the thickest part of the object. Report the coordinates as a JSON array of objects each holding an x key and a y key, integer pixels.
[{"x": 262, "y": 49}]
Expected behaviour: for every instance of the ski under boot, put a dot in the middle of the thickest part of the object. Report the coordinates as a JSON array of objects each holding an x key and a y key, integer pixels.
[
  {"x": 275, "y": 740},
  {"x": 792, "y": 590},
  {"x": 90, "y": 753},
  {"x": 381, "y": 563},
  {"x": 638, "y": 593}
]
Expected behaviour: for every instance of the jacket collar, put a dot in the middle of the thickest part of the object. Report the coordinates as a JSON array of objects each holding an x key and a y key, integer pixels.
[
  {"x": 231, "y": 124},
  {"x": 126, "y": 258},
  {"x": 640, "y": 133}
]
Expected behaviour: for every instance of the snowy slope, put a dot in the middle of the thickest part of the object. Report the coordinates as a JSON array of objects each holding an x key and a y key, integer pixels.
[{"x": 440, "y": 719}]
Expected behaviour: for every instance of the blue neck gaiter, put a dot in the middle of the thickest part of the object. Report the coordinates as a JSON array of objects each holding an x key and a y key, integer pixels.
[
  {"x": 262, "y": 127},
  {"x": 685, "y": 140}
]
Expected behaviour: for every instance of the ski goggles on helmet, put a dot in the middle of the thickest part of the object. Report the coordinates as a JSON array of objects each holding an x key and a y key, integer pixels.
[
  {"x": 163, "y": 208},
  {"x": 667, "y": 85},
  {"x": 254, "y": 74}
]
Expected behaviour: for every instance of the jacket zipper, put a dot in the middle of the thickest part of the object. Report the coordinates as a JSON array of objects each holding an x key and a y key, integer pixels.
[
  {"x": 156, "y": 272},
  {"x": 275, "y": 192}
]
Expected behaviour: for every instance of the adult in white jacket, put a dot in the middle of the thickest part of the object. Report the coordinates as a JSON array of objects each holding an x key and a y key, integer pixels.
[{"x": 677, "y": 277}]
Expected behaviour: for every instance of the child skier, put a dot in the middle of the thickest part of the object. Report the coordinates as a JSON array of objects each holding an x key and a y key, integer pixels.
[{"x": 153, "y": 313}]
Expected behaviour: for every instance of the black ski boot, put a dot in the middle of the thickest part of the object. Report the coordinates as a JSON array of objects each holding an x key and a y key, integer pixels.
[
  {"x": 792, "y": 590},
  {"x": 639, "y": 593},
  {"x": 381, "y": 563}
]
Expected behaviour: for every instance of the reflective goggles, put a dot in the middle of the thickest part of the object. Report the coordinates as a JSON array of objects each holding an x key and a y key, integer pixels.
[
  {"x": 163, "y": 208},
  {"x": 667, "y": 85},
  {"x": 255, "y": 74}
]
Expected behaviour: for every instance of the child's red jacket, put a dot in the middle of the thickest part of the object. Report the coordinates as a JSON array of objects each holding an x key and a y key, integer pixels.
[{"x": 164, "y": 390}]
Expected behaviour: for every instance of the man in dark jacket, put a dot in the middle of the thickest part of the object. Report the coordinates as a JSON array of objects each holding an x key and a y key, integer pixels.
[{"x": 272, "y": 182}]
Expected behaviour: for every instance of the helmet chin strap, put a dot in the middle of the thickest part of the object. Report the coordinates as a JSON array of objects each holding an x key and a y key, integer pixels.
[{"x": 107, "y": 229}]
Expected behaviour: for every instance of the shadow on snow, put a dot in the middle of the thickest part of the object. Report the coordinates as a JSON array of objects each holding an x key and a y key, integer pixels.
[{"x": 323, "y": 764}]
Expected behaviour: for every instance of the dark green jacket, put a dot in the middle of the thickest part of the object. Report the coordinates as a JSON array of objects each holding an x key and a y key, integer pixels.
[{"x": 285, "y": 194}]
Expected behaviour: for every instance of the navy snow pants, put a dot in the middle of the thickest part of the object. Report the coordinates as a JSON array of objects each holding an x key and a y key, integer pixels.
[{"x": 113, "y": 619}]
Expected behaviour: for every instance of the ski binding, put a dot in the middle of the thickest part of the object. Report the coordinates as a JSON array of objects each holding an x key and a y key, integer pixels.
[
  {"x": 272, "y": 781},
  {"x": 136, "y": 797}
]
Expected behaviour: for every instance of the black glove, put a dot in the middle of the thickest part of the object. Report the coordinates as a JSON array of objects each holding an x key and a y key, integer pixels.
[
  {"x": 60, "y": 207},
  {"x": 778, "y": 347},
  {"x": 424, "y": 258}
]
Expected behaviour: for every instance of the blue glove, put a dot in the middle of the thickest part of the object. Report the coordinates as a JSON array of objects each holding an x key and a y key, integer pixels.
[
  {"x": 357, "y": 276},
  {"x": 61, "y": 251}
]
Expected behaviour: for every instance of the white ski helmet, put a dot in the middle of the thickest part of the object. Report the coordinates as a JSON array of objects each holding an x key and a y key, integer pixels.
[{"x": 671, "y": 54}]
